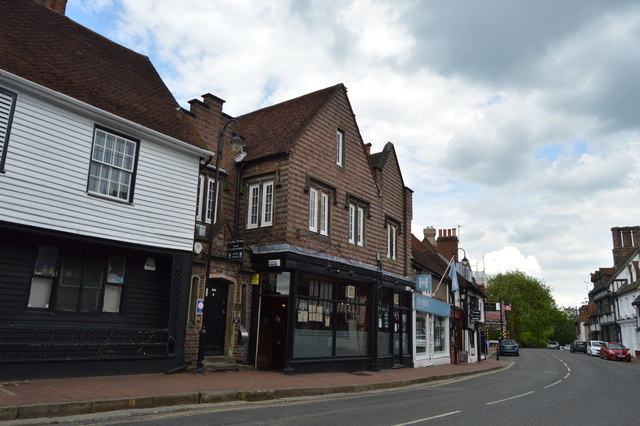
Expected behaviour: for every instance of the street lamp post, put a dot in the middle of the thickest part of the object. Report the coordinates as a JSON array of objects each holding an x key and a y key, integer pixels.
[{"x": 237, "y": 144}]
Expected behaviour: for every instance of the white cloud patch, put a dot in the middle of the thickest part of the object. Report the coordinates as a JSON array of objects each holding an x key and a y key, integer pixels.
[{"x": 510, "y": 259}]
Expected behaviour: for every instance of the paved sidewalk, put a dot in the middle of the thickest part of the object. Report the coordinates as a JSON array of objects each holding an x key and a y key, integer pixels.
[{"x": 31, "y": 399}]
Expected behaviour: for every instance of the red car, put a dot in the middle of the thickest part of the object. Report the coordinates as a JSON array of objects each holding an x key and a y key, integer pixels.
[{"x": 612, "y": 350}]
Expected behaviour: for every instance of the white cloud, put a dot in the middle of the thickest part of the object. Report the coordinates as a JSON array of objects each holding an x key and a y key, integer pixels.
[{"x": 509, "y": 258}]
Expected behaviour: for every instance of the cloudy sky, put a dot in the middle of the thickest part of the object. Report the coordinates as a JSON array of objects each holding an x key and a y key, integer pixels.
[{"x": 516, "y": 121}]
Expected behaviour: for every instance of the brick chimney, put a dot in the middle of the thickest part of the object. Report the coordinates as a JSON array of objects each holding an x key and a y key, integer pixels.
[
  {"x": 59, "y": 6},
  {"x": 430, "y": 235},
  {"x": 625, "y": 241},
  {"x": 447, "y": 243}
]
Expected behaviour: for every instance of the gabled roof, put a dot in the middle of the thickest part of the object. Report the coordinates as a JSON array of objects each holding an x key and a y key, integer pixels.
[
  {"x": 379, "y": 159},
  {"x": 51, "y": 50},
  {"x": 274, "y": 129}
]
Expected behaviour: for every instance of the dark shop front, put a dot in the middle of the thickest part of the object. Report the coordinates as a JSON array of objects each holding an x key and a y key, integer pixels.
[{"x": 313, "y": 314}]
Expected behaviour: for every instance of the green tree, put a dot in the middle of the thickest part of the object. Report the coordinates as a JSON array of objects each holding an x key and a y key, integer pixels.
[
  {"x": 565, "y": 325},
  {"x": 533, "y": 316}
]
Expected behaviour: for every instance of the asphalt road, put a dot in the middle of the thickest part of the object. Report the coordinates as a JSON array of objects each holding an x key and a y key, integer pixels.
[{"x": 541, "y": 387}]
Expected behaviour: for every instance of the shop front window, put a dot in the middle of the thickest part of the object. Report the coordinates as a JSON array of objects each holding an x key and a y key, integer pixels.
[
  {"x": 313, "y": 335},
  {"x": 332, "y": 319},
  {"x": 421, "y": 334},
  {"x": 438, "y": 334}
]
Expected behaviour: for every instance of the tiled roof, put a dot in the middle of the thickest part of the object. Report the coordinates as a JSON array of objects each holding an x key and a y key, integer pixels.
[
  {"x": 427, "y": 256},
  {"x": 274, "y": 129},
  {"x": 51, "y": 50}
]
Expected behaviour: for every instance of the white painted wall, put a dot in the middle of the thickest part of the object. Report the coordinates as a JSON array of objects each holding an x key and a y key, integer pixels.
[{"x": 45, "y": 184}]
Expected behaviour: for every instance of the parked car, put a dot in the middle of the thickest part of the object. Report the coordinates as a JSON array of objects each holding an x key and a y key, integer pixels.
[
  {"x": 578, "y": 346},
  {"x": 566, "y": 347},
  {"x": 613, "y": 350},
  {"x": 593, "y": 347},
  {"x": 509, "y": 347},
  {"x": 553, "y": 345}
]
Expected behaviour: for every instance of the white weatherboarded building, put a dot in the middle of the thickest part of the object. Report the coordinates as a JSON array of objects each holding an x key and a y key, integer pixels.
[{"x": 98, "y": 186}]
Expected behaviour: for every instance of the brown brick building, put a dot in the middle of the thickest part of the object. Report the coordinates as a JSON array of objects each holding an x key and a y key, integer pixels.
[{"x": 325, "y": 227}]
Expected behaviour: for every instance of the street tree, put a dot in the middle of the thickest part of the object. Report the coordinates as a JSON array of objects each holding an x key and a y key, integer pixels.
[{"x": 533, "y": 315}]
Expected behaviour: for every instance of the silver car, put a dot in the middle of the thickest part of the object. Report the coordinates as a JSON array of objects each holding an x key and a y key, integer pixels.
[{"x": 593, "y": 347}]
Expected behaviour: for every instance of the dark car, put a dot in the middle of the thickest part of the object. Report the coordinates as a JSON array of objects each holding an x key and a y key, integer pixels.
[
  {"x": 612, "y": 350},
  {"x": 509, "y": 347},
  {"x": 579, "y": 346}
]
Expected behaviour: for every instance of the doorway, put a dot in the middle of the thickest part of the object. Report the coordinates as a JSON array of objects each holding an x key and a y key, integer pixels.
[
  {"x": 215, "y": 316},
  {"x": 272, "y": 337}
]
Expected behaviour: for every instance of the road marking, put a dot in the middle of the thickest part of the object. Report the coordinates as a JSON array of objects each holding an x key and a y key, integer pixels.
[
  {"x": 426, "y": 419},
  {"x": 510, "y": 398},
  {"x": 554, "y": 383}
]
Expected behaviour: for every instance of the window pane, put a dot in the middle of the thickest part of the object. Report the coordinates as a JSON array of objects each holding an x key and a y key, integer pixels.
[
  {"x": 351, "y": 326},
  {"x": 89, "y": 300},
  {"x": 70, "y": 281},
  {"x": 254, "y": 199},
  {"x": 384, "y": 331},
  {"x": 47, "y": 260},
  {"x": 351, "y": 223},
  {"x": 67, "y": 299},
  {"x": 324, "y": 214},
  {"x": 421, "y": 334},
  {"x": 112, "y": 295},
  {"x": 40, "y": 292},
  {"x": 267, "y": 204},
  {"x": 360, "y": 231},
  {"x": 438, "y": 334},
  {"x": 313, "y": 335},
  {"x": 91, "y": 284},
  {"x": 115, "y": 269},
  {"x": 313, "y": 194}
]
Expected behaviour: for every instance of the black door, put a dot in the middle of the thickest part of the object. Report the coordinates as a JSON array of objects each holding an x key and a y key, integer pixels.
[{"x": 215, "y": 316}]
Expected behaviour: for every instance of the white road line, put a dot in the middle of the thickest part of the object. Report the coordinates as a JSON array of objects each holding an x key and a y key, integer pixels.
[
  {"x": 566, "y": 375},
  {"x": 429, "y": 418},
  {"x": 510, "y": 398},
  {"x": 553, "y": 384}
]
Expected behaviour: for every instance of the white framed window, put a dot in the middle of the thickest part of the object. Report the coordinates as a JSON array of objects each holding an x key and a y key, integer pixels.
[
  {"x": 260, "y": 205},
  {"x": 339, "y": 147},
  {"x": 200, "y": 198},
  {"x": 324, "y": 213},
  {"x": 313, "y": 210},
  {"x": 211, "y": 204},
  {"x": 356, "y": 225},
  {"x": 319, "y": 211},
  {"x": 392, "y": 240},
  {"x": 112, "y": 165},
  {"x": 267, "y": 204},
  {"x": 7, "y": 108}
]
